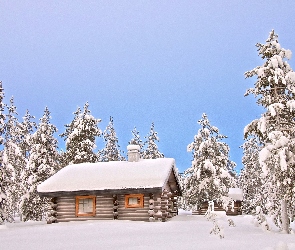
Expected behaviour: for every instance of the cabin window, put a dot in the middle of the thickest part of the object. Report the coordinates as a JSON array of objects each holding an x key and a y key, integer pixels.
[
  {"x": 134, "y": 200},
  {"x": 85, "y": 205}
]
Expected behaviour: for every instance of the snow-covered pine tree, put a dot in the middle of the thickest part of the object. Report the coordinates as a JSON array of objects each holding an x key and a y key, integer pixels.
[
  {"x": 26, "y": 127},
  {"x": 250, "y": 177},
  {"x": 80, "y": 136},
  {"x": 65, "y": 156},
  {"x": 151, "y": 150},
  {"x": 211, "y": 173},
  {"x": 136, "y": 140},
  {"x": 3, "y": 203},
  {"x": 13, "y": 162},
  {"x": 111, "y": 151},
  {"x": 43, "y": 162},
  {"x": 275, "y": 89}
]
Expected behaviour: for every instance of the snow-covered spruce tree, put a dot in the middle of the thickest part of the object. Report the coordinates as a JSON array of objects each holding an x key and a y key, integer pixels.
[
  {"x": 274, "y": 90},
  {"x": 26, "y": 128},
  {"x": 3, "y": 203},
  {"x": 43, "y": 162},
  {"x": 211, "y": 173},
  {"x": 151, "y": 150},
  {"x": 136, "y": 140},
  {"x": 250, "y": 177},
  {"x": 111, "y": 151},
  {"x": 14, "y": 161},
  {"x": 80, "y": 136}
]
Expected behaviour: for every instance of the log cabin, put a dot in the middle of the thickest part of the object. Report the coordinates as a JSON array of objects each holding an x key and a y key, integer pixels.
[
  {"x": 234, "y": 208},
  {"x": 236, "y": 194},
  {"x": 137, "y": 189}
]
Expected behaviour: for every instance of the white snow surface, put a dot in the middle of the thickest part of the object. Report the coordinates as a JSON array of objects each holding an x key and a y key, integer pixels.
[
  {"x": 147, "y": 173},
  {"x": 181, "y": 232}
]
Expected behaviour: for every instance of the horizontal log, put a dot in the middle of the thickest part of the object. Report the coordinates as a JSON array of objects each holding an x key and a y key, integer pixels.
[
  {"x": 104, "y": 212},
  {"x": 74, "y": 216},
  {"x": 135, "y": 219},
  {"x": 60, "y": 205},
  {"x": 103, "y": 202},
  {"x": 66, "y": 200},
  {"x": 133, "y": 212},
  {"x": 109, "y": 207},
  {"x": 81, "y": 219},
  {"x": 70, "y": 202},
  {"x": 65, "y": 214},
  {"x": 133, "y": 215},
  {"x": 66, "y": 210},
  {"x": 128, "y": 211}
]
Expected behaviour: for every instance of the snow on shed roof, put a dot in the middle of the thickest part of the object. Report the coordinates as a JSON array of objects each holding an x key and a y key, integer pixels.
[
  {"x": 236, "y": 194},
  {"x": 148, "y": 173}
]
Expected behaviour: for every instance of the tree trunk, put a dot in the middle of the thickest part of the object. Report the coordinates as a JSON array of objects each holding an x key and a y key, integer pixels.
[{"x": 285, "y": 219}]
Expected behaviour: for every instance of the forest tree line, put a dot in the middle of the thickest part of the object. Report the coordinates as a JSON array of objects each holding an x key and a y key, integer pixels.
[
  {"x": 268, "y": 175},
  {"x": 29, "y": 154}
]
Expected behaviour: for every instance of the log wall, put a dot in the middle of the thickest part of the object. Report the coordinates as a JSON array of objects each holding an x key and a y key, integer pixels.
[
  {"x": 134, "y": 214},
  {"x": 66, "y": 208},
  {"x": 104, "y": 207}
]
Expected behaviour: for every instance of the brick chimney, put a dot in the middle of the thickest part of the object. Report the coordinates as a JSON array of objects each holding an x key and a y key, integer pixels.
[{"x": 133, "y": 153}]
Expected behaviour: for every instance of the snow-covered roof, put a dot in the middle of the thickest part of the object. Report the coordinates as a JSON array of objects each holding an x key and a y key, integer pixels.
[
  {"x": 148, "y": 173},
  {"x": 236, "y": 194}
]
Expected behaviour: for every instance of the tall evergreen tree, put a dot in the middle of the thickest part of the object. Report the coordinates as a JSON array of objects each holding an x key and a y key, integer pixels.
[
  {"x": 250, "y": 177},
  {"x": 3, "y": 198},
  {"x": 210, "y": 175},
  {"x": 43, "y": 162},
  {"x": 275, "y": 89},
  {"x": 151, "y": 150},
  {"x": 13, "y": 162},
  {"x": 111, "y": 151},
  {"x": 26, "y": 127},
  {"x": 80, "y": 136}
]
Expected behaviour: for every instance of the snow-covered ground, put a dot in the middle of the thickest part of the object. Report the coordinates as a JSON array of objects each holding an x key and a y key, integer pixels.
[{"x": 182, "y": 232}]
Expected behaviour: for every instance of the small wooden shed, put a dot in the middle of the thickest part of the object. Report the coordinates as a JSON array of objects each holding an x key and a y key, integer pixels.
[
  {"x": 236, "y": 194},
  {"x": 143, "y": 190},
  {"x": 234, "y": 208}
]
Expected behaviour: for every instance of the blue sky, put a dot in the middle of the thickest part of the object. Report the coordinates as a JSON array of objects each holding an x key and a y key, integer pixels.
[{"x": 165, "y": 62}]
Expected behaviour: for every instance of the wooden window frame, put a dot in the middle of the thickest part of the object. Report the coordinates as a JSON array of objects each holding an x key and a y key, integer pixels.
[
  {"x": 140, "y": 198},
  {"x": 93, "y": 205}
]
